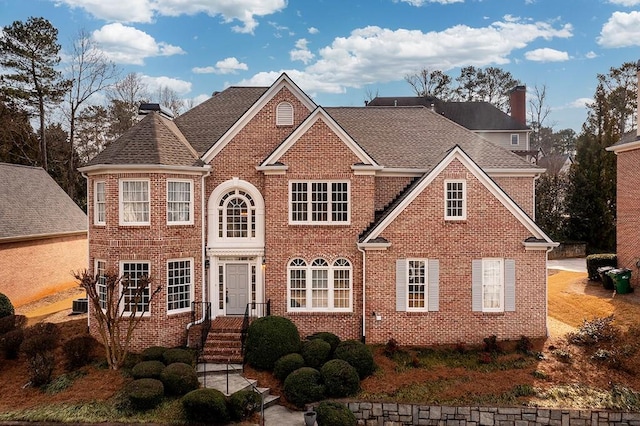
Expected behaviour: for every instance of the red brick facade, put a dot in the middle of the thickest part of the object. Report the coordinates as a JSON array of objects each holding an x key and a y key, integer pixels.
[
  {"x": 628, "y": 212},
  {"x": 319, "y": 154}
]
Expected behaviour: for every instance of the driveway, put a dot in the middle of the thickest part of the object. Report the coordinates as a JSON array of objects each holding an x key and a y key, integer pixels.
[{"x": 575, "y": 264}]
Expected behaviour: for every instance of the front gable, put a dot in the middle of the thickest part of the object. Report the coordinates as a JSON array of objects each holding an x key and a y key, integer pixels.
[
  {"x": 455, "y": 166},
  {"x": 284, "y": 83}
]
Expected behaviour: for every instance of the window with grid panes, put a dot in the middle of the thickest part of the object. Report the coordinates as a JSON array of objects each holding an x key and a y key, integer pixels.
[
  {"x": 135, "y": 297},
  {"x": 179, "y": 285},
  {"x": 319, "y": 202}
]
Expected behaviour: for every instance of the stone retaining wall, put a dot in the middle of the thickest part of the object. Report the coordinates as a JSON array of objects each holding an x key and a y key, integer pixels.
[{"x": 392, "y": 414}]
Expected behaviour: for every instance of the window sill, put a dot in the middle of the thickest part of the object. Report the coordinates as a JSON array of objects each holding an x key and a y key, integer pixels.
[{"x": 308, "y": 313}]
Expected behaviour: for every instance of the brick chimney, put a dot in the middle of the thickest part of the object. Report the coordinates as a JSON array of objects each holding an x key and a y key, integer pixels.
[{"x": 518, "y": 103}]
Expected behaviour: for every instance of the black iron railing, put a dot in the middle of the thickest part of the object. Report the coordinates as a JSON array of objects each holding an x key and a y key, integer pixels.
[
  {"x": 201, "y": 319},
  {"x": 253, "y": 310}
]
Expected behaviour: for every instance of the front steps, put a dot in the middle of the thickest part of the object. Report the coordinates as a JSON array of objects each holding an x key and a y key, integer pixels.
[
  {"x": 228, "y": 379},
  {"x": 224, "y": 344}
]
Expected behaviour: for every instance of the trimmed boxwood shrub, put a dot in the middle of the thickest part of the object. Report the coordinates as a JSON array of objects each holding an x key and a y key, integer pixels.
[
  {"x": 315, "y": 353},
  {"x": 153, "y": 353},
  {"x": 268, "y": 339},
  {"x": 340, "y": 378},
  {"x": 206, "y": 406},
  {"x": 358, "y": 355},
  {"x": 145, "y": 393},
  {"x": 287, "y": 365},
  {"x": 6, "y": 307},
  {"x": 147, "y": 370},
  {"x": 303, "y": 386},
  {"x": 179, "y": 378},
  {"x": 330, "y": 338},
  {"x": 595, "y": 261},
  {"x": 185, "y": 356},
  {"x": 243, "y": 404},
  {"x": 78, "y": 350},
  {"x": 334, "y": 414}
]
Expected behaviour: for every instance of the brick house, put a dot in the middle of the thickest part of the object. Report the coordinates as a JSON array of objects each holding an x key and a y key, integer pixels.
[
  {"x": 43, "y": 235},
  {"x": 365, "y": 222},
  {"x": 627, "y": 151}
]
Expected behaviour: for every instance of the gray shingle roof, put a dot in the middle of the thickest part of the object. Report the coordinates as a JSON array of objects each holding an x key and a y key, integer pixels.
[
  {"x": 417, "y": 137},
  {"x": 472, "y": 115},
  {"x": 32, "y": 203},
  {"x": 154, "y": 140},
  {"x": 207, "y": 122}
]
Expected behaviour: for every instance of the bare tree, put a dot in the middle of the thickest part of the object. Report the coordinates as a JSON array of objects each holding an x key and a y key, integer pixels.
[
  {"x": 90, "y": 72},
  {"x": 370, "y": 95},
  {"x": 538, "y": 113},
  {"x": 124, "y": 99},
  {"x": 116, "y": 313},
  {"x": 170, "y": 99},
  {"x": 489, "y": 85},
  {"x": 430, "y": 84}
]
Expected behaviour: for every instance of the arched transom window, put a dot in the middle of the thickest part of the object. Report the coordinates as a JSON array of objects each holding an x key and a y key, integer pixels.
[{"x": 236, "y": 215}]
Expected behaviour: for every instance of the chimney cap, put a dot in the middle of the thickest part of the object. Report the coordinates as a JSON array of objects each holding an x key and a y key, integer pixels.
[
  {"x": 520, "y": 88},
  {"x": 146, "y": 108}
]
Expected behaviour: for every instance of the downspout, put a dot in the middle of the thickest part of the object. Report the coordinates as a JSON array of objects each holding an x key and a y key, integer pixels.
[
  {"x": 204, "y": 253},
  {"x": 533, "y": 213},
  {"x": 364, "y": 298},
  {"x": 84, "y": 175},
  {"x": 546, "y": 289}
]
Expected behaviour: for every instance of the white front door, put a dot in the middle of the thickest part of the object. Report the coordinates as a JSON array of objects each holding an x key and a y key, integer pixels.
[{"x": 237, "y": 293}]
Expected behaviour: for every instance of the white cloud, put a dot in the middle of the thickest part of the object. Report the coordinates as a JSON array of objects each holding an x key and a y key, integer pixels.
[
  {"x": 154, "y": 84},
  {"x": 627, "y": 3},
  {"x": 581, "y": 103},
  {"x": 313, "y": 30},
  {"x": 128, "y": 45},
  {"x": 198, "y": 99},
  {"x": 244, "y": 11},
  {"x": 546, "y": 55},
  {"x": 591, "y": 55},
  {"x": 301, "y": 52},
  {"x": 419, "y": 3},
  {"x": 621, "y": 30},
  {"x": 225, "y": 66}
]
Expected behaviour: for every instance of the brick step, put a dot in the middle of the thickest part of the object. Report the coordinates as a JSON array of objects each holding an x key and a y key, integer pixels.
[{"x": 232, "y": 358}]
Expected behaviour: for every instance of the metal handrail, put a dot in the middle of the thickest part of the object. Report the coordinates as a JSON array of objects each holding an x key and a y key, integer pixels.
[
  {"x": 253, "y": 387},
  {"x": 204, "y": 322},
  {"x": 253, "y": 310}
]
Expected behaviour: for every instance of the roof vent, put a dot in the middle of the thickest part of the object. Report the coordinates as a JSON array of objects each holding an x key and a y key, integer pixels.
[{"x": 147, "y": 108}]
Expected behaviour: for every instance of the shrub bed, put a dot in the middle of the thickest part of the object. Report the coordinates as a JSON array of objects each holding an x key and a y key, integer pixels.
[
  {"x": 330, "y": 338},
  {"x": 268, "y": 339},
  {"x": 148, "y": 370},
  {"x": 340, "y": 378},
  {"x": 595, "y": 261},
  {"x": 358, "y": 355},
  {"x": 303, "y": 386},
  {"x": 145, "y": 393},
  {"x": 206, "y": 406},
  {"x": 335, "y": 414},
  {"x": 184, "y": 356},
  {"x": 153, "y": 353},
  {"x": 179, "y": 378},
  {"x": 287, "y": 365},
  {"x": 315, "y": 353},
  {"x": 243, "y": 404}
]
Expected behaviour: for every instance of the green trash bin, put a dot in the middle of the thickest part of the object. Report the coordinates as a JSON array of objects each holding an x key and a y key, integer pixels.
[{"x": 621, "y": 280}]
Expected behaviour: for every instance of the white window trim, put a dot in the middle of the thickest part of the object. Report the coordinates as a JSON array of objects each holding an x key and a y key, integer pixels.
[
  {"x": 96, "y": 221},
  {"x": 121, "y": 201},
  {"x": 330, "y": 287},
  {"x": 329, "y": 220},
  {"x": 517, "y": 138},
  {"x": 281, "y": 119},
  {"x": 425, "y": 308},
  {"x": 96, "y": 271},
  {"x": 186, "y": 222},
  {"x": 464, "y": 199},
  {"x": 501, "y": 278},
  {"x": 191, "y": 286},
  {"x": 121, "y": 307}
]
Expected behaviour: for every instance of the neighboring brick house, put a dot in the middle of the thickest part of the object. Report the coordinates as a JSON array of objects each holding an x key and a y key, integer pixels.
[
  {"x": 365, "y": 222},
  {"x": 484, "y": 119},
  {"x": 43, "y": 235}
]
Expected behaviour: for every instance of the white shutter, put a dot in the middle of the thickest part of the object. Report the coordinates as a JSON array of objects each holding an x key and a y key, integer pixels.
[
  {"x": 401, "y": 285},
  {"x": 434, "y": 285},
  {"x": 509, "y": 285}
]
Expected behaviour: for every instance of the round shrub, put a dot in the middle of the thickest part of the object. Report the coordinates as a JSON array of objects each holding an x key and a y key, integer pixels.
[
  {"x": 78, "y": 350},
  {"x": 268, "y": 339},
  {"x": 10, "y": 343},
  {"x": 340, "y": 378},
  {"x": 206, "y": 406},
  {"x": 184, "y": 356},
  {"x": 243, "y": 404},
  {"x": 46, "y": 333},
  {"x": 153, "y": 353},
  {"x": 145, "y": 393},
  {"x": 147, "y": 370},
  {"x": 315, "y": 353},
  {"x": 335, "y": 414},
  {"x": 179, "y": 378},
  {"x": 303, "y": 386},
  {"x": 11, "y": 322},
  {"x": 330, "y": 338},
  {"x": 358, "y": 355},
  {"x": 6, "y": 307},
  {"x": 287, "y": 365}
]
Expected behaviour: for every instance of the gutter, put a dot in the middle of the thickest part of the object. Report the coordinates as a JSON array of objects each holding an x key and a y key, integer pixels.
[
  {"x": 44, "y": 236},
  {"x": 364, "y": 298}
]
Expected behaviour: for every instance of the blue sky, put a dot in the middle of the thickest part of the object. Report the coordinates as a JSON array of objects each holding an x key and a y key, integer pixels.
[{"x": 338, "y": 51}]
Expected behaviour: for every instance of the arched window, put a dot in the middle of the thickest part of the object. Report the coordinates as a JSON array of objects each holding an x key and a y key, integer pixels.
[
  {"x": 236, "y": 215},
  {"x": 284, "y": 114},
  {"x": 320, "y": 286}
]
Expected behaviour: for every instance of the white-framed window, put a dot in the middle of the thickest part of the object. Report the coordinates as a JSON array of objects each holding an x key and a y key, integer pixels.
[
  {"x": 179, "y": 285},
  {"x": 515, "y": 139},
  {"x": 99, "y": 203},
  {"x": 237, "y": 215},
  {"x": 417, "y": 285},
  {"x": 492, "y": 285},
  {"x": 320, "y": 202},
  {"x": 455, "y": 200},
  {"x": 134, "y": 202},
  {"x": 132, "y": 274},
  {"x": 284, "y": 114},
  {"x": 179, "y": 202},
  {"x": 320, "y": 286},
  {"x": 101, "y": 284}
]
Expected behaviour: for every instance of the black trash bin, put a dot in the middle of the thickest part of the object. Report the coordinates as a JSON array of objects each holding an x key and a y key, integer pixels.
[
  {"x": 607, "y": 281},
  {"x": 621, "y": 280}
]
